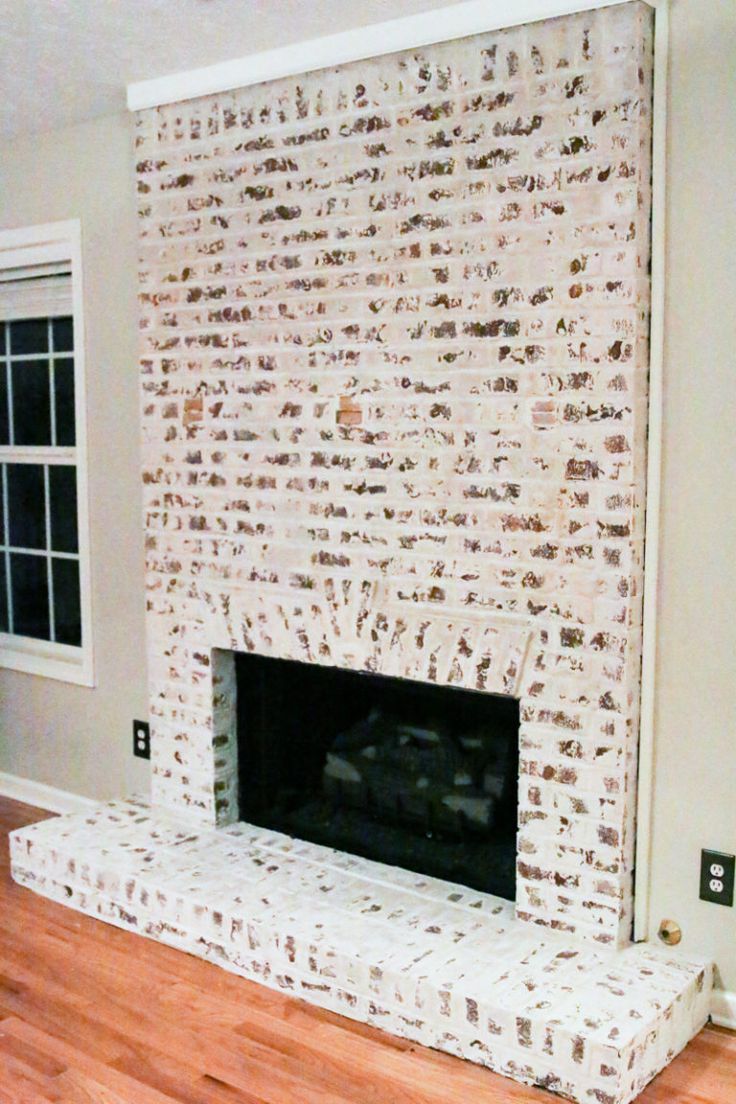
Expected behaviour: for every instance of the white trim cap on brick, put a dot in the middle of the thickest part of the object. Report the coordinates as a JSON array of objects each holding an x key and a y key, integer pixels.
[{"x": 439, "y": 25}]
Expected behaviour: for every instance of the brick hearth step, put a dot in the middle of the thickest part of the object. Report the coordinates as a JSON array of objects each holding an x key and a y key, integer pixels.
[{"x": 433, "y": 962}]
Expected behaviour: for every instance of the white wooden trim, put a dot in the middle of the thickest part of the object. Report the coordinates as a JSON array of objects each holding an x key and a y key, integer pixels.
[
  {"x": 440, "y": 25},
  {"x": 645, "y": 784},
  {"x": 43, "y": 234},
  {"x": 42, "y": 244},
  {"x": 43, "y": 796},
  {"x": 44, "y": 657},
  {"x": 38, "y": 454},
  {"x": 81, "y": 418},
  {"x": 723, "y": 1008}
]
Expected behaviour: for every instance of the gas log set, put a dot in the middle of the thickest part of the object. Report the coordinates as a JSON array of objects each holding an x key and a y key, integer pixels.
[{"x": 419, "y": 776}]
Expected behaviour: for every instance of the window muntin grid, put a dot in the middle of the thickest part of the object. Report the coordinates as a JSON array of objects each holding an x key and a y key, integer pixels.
[{"x": 39, "y": 547}]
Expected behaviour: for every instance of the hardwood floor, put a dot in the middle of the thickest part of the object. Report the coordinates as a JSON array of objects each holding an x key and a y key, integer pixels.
[{"x": 93, "y": 1015}]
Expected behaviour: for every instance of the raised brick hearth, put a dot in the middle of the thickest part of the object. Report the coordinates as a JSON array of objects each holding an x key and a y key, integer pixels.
[
  {"x": 447, "y": 967},
  {"x": 394, "y": 364}
]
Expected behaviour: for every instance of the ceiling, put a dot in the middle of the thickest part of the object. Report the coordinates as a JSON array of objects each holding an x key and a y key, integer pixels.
[{"x": 65, "y": 61}]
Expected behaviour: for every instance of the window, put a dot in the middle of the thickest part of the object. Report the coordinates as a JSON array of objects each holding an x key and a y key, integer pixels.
[{"x": 45, "y": 622}]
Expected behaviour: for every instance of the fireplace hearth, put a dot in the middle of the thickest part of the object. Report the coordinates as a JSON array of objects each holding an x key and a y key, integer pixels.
[
  {"x": 437, "y": 963},
  {"x": 408, "y": 773}
]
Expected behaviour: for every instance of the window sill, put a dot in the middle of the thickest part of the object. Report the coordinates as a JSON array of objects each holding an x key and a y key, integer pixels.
[{"x": 39, "y": 657}]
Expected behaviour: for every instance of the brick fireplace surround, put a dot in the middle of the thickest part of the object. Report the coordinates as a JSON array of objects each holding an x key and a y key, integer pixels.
[{"x": 394, "y": 366}]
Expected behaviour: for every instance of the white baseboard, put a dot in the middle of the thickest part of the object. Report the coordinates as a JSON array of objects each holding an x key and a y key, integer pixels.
[
  {"x": 723, "y": 1008},
  {"x": 42, "y": 796}
]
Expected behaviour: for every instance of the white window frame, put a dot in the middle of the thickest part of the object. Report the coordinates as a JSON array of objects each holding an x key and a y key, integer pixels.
[{"x": 22, "y": 248}]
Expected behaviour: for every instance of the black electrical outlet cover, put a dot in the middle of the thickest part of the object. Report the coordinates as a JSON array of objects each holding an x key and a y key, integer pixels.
[
  {"x": 716, "y": 877},
  {"x": 141, "y": 740}
]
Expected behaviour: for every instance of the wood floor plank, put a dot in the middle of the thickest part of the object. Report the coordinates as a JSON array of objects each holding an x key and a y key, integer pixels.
[
  {"x": 90, "y": 1014},
  {"x": 74, "y": 1088},
  {"x": 307, "y": 1043},
  {"x": 130, "y": 1088},
  {"x": 17, "y": 1087},
  {"x": 33, "y": 1058},
  {"x": 27, "y": 1070},
  {"x": 240, "y": 1060}
]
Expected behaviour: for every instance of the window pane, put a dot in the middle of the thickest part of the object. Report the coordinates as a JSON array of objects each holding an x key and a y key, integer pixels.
[
  {"x": 63, "y": 507},
  {"x": 4, "y": 627},
  {"x": 26, "y": 507},
  {"x": 67, "y": 616},
  {"x": 64, "y": 395},
  {"x": 31, "y": 403},
  {"x": 30, "y": 595},
  {"x": 2, "y": 505},
  {"x": 63, "y": 335},
  {"x": 29, "y": 336},
  {"x": 4, "y": 429}
]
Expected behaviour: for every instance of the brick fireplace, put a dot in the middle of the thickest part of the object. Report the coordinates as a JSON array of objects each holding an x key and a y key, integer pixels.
[{"x": 394, "y": 324}]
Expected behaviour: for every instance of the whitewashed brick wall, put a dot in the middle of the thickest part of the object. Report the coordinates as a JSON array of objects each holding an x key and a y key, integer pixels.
[{"x": 394, "y": 363}]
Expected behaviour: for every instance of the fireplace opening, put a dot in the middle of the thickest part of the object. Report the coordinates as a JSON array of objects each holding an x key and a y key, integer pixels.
[{"x": 408, "y": 773}]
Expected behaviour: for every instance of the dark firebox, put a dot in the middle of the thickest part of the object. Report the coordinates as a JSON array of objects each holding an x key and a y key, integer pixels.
[{"x": 409, "y": 773}]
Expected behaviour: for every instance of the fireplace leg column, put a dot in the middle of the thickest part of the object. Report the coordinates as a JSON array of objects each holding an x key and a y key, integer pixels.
[{"x": 194, "y": 755}]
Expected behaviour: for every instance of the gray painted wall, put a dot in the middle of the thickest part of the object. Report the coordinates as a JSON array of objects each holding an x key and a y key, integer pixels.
[{"x": 71, "y": 736}]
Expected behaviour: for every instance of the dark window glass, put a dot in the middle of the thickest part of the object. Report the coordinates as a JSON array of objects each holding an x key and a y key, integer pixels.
[
  {"x": 63, "y": 507},
  {"x": 67, "y": 613},
  {"x": 31, "y": 403},
  {"x": 29, "y": 336},
  {"x": 26, "y": 404},
  {"x": 4, "y": 626},
  {"x": 4, "y": 427},
  {"x": 64, "y": 396},
  {"x": 63, "y": 335},
  {"x": 30, "y": 595},
  {"x": 26, "y": 506}
]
